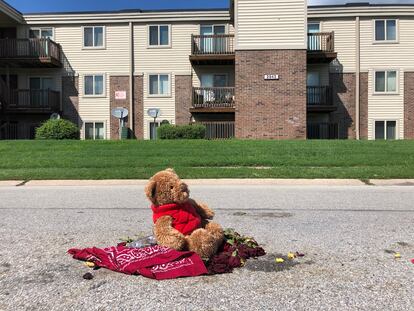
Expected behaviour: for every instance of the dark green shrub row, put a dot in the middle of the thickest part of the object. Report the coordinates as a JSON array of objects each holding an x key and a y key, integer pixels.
[
  {"x": 58, "y": 129},
  {"x": 181, "y": 132}
]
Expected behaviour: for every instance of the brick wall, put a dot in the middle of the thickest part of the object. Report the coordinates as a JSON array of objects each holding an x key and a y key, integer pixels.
[
  {"x": 409, "y": 105},
  {"x": 70, "y": 99},
  {"x": 183, "y": 95},
  {"x": 118, "y": 83},
  {"x": 139, "y": 107},
  {"x": 271, "y": 109},
  {"x": 343, "y": 93},
  {"x": 121, "y": 83},
  {"x": 363, "y": 105}
]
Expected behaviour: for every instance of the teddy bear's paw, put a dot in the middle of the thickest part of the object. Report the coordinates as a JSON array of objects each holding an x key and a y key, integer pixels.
[
  {"x": 215, "y": 230},
  {"x": 202, "y": 243}
]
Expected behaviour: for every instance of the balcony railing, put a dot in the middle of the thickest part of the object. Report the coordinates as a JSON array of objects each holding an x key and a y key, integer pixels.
[
  {"x": 319, "y": 96},
  {"x": 36, "y": 49},
  {"x": 212, "y": 44},
  {"x": 219, "y": 130},
  {"x": 213, "y": 97},
  {"x": 321, "y": 42},
  {"x": 323, "y": 131},
  {"x": 33, "y": 100}
]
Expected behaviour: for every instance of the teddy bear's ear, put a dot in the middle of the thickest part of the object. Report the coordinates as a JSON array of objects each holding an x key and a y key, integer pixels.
[
  {"x": 170, "y": 170},
  {"x": 151, "y": 190}
]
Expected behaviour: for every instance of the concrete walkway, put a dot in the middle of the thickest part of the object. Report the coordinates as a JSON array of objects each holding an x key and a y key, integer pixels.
[{"x": 257, "y": 182}]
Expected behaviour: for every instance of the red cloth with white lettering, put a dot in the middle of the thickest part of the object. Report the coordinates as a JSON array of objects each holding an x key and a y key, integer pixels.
[
  {"x": 155, "y": 262},
  {"x": 185, "y": 217}
]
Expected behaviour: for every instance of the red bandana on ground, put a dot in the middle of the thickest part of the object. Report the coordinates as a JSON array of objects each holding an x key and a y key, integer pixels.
[
  {"x": 155, "y": 262},
  {"x": 186, "y": 219}
]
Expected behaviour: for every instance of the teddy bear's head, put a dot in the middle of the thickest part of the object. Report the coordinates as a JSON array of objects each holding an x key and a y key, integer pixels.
[{"x": 166, "y": 187}]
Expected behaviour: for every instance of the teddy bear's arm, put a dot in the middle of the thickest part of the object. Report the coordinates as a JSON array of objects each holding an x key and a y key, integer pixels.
[
  {"x": 167, "y": 236},
  {"x": 203, "y": 210}
]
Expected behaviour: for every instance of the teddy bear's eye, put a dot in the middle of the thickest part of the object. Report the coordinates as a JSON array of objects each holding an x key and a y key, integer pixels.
[{"x": 171, "y": 187}]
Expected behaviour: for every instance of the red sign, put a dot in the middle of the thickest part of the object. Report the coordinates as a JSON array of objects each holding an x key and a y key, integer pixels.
[{"x": 120, "y": 95}]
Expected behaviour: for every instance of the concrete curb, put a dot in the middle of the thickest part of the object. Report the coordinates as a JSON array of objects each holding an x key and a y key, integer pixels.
[
  {"x": 213, "y": 182},
  {"x": 219, "y": 182},
  {"x": 10, "y": 183}
]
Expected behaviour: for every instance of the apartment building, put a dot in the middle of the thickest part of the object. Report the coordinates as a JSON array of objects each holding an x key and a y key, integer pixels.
[{"x": 265, "y": 69}]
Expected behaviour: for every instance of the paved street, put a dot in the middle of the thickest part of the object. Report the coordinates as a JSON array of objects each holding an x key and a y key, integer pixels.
[{"x": 348, "y": 234}]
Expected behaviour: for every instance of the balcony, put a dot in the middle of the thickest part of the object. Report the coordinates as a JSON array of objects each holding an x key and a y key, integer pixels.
[
  {"x": 321, "y": 47},
  {"x": 212, "y": 50},
  {"x": 213, "y": 99},
  {"x": 30, "y": 53},
  {"x": 319, "y": 99},
  {"x": 31, "y": 101}
]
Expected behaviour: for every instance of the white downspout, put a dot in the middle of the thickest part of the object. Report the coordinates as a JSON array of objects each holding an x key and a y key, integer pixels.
[
  {"x": 131, "y": 78},
  {"x": 357, "y": 80}
]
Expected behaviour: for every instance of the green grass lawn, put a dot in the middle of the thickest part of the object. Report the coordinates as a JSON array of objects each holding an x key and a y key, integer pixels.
[{"x": 28, "y": 160}]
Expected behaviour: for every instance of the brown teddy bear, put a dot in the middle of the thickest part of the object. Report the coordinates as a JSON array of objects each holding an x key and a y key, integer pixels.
[{"x": 180, "y": 222}]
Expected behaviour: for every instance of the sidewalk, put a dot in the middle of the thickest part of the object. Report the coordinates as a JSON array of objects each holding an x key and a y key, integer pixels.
[{"x": 225, "y": 182}]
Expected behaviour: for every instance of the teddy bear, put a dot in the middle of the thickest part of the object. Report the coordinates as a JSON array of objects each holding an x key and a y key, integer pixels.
[{"x": 181, "y": 223}]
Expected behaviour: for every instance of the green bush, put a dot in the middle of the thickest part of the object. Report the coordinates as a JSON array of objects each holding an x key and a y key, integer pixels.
[
  {"x": 58, "y": 130},
  {"x": 181, "y": 132}
]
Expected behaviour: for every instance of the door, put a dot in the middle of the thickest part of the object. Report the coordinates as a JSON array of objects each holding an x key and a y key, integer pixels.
[
  {"x": 210, "y": 44},
  {"x": 39, "y": 95},
  {"x": 314, "y": 41},
  {"x": 313, "y": 89},
  {"x": 214, "y": 84}
]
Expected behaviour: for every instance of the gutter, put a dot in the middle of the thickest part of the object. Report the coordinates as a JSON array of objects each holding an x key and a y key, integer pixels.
[
  {"x": 131, "y": 78},
  {"x": 357, "y": 80}
]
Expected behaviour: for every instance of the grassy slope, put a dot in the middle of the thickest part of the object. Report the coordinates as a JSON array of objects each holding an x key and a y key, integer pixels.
[{"x": 206, "y": 159}]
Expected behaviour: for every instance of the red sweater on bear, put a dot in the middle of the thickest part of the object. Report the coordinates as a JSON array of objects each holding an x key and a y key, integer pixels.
[{"x": 185, "y": 217}]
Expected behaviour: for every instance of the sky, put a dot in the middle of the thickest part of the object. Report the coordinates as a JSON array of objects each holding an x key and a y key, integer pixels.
[{"x": 32, "y": 6}]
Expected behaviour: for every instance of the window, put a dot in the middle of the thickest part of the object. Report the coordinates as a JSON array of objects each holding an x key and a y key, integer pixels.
[
  {"x": 94, "y": 130},
  {"x": 386, "y": 81},
  {"x": 159, "y": 36},
  {"x": 41, "y": 33},
  {"x": 94, "y": 37},
  {"x": 159, "y": 85},
  {"x": 386, "y": 30},
  {"x": 385, "y": 130},
  {"x": 94, "y": 85}
]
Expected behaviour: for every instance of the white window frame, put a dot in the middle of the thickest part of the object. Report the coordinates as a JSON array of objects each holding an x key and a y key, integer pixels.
[
  {"x": 40, "y": 31},
  {"x": 103, "y": 47},
  {"x": 314, "y": 23},
  {"x": 397, "y": 82},
  {"x": 149, "y": 84},
  {"x": 226, "y": 27},
  {"x": 385, "y": 128},
  {"x": 93, "y": 121},
  {"x": 158, "y": 46},
  {"x": 103, "y": 87},
  {"x": 386, "y": 41}
]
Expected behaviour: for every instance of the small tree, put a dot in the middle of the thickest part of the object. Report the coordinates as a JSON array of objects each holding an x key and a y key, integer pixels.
[{"x": 58, "y": 130}]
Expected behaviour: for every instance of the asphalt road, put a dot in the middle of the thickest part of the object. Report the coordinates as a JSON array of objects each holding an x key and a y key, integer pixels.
[{"x": 348, "y": 235}]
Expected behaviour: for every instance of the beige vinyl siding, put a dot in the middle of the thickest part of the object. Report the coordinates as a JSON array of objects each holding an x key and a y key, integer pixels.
[
  {"x": 94, "y": 108},
  {"x": 386, "y": 107},
  {"x": 166, "y": 104},
  {"x": 164, "y": 59},
  {"x": 200, "y": 70},
  {"x": 270, "y": 24},
  {"x": 111, "y": 60},
  {"x": 345, "y": 44},
  {"x": 390, "y": 54},
  {"x": 172, "y": 61}
]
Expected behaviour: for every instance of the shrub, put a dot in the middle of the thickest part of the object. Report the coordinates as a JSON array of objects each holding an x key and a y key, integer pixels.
[
  {"x": 181, "y": 132},
  {"x": 57, "y": 129}
]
